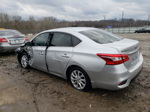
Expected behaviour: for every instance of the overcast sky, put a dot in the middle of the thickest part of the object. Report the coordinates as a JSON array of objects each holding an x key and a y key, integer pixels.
[{"x": 77, "y": 9}]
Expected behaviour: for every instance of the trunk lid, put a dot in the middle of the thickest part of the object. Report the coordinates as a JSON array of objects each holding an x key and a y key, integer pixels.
[
  {"x": 16, "y": 40},
  {"x": 127, "y": 46}
]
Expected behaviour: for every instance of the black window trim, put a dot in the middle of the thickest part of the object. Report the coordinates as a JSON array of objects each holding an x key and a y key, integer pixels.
[{"x": 67, "y": 34}]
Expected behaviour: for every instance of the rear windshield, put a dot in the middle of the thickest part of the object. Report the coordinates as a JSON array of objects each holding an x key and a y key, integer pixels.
[
  {"x": 9, "y": 33},
  {"x": 101, "y": 37}
]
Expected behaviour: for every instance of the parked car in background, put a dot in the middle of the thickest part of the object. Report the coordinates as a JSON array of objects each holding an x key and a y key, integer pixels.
[
  {"x": 143, "y": 30},
  {"x": 10, "y": 40},
  {"x": 86, "y": 57}
]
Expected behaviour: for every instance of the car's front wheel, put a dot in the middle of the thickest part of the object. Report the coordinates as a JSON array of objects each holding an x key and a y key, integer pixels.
[
  {"x": 79, "y": 79},
  {"x": 24, "y": 61}
]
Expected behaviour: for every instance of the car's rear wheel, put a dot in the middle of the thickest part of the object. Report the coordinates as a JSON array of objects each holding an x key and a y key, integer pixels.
[
  {"x": 24, "y": 61},
  {"x": 79, "y": 79}
]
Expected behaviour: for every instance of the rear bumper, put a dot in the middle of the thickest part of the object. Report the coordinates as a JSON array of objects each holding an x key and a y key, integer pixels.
[
  {"x": 111, "y": 77},
  {"x": 4, "y": 49}
]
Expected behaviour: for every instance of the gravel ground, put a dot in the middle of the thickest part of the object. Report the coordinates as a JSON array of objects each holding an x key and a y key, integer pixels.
[{"x": 31, "y": 90}]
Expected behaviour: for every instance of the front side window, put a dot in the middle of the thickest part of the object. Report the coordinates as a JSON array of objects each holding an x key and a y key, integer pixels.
[
  {"x": 61, "y": 39},
  {"x": 41, "y": 40},
  {"x": 100, "y": 36}
]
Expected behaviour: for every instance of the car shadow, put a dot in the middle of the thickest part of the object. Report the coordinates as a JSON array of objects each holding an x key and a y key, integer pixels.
[
  {"x": 123, "y": 94},
  {"x": 97, "y": 91},
  {"x": 8, "y": 54}
]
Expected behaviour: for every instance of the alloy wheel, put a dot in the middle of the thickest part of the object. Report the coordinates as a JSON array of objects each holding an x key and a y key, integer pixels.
[
  {"x": 78, "y": 79},
  {"x": 24, "y": 61}
]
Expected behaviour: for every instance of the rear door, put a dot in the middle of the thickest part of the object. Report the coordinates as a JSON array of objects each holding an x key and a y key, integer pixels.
[
  {"x": 59, "y": 53},
  {"x": 39, "y": 45}
]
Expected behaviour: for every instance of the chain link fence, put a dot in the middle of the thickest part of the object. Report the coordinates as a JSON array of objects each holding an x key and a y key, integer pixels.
[{"x": 126, "y": 29}]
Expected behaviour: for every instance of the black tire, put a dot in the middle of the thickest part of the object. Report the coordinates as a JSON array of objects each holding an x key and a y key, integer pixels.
[
  {"x": 86, "y": 77},
  {"x": 24, "y": 61}
]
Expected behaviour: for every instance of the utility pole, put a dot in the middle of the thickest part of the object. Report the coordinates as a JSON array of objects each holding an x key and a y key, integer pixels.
[
  {"x": 148, "y": 20},
  {"x": 122, "y": 15},
  {"x": 104, "y": 20},
  {"x": 104, "y": 17}
]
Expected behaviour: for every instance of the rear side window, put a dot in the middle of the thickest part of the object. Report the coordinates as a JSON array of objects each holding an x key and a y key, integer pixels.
[
  {"x": 75, "y": 41},
  {"x": 2, "y": 33},
  {"x": 100, "y": 36},
  {"x": 61, "y": 39},
  {"x": 9, "y": 33}
]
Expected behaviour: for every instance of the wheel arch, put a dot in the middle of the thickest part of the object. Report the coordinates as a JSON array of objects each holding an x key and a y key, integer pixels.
[
  {"x": 86, "y": 75},
  {"x": 20, "y": 54},
  {"x": 69, "y": 68}
]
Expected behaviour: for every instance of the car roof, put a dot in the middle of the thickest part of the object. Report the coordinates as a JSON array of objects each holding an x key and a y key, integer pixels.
[
  {"x": 70, "y": 29},
  {"x": 7, "y": 30}
]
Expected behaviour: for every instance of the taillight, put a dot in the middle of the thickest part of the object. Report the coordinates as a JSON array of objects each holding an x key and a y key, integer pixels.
[
  {"x": 122, "y": 83},
  {"x": 3, "y": 40},
  {"x": 114, "y": 59},
  {"x": 26, "y": 39}
]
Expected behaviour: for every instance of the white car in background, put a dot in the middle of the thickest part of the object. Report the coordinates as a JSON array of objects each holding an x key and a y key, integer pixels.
[{"x": 11, "y": 40}]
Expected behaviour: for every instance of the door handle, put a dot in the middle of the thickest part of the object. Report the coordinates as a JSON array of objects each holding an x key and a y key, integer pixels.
[
  {"x": 65, "y": 55},
  {"x": 41, "y": 53}
]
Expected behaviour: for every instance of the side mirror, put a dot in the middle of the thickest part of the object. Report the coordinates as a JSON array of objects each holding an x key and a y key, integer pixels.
[{"x": 28, "y": 44}]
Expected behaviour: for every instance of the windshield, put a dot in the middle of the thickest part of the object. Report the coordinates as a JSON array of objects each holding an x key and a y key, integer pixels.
[
  {"x": 101, "y": 37},
  {"x": 9, "y": 33}
]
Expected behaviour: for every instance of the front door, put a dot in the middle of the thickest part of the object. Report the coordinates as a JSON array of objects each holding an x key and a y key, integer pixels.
[{"x": 39, "y": 45}]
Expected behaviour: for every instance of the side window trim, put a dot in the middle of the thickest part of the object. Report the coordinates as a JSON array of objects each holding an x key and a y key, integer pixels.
[
  {"x": 71, "y": 41},
  {"x": 50, "y": 37}
]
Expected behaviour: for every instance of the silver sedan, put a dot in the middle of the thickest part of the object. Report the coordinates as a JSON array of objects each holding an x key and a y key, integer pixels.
[
  {"x": 10, "y": 40},
  {"x": 86, "y": 57}
]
